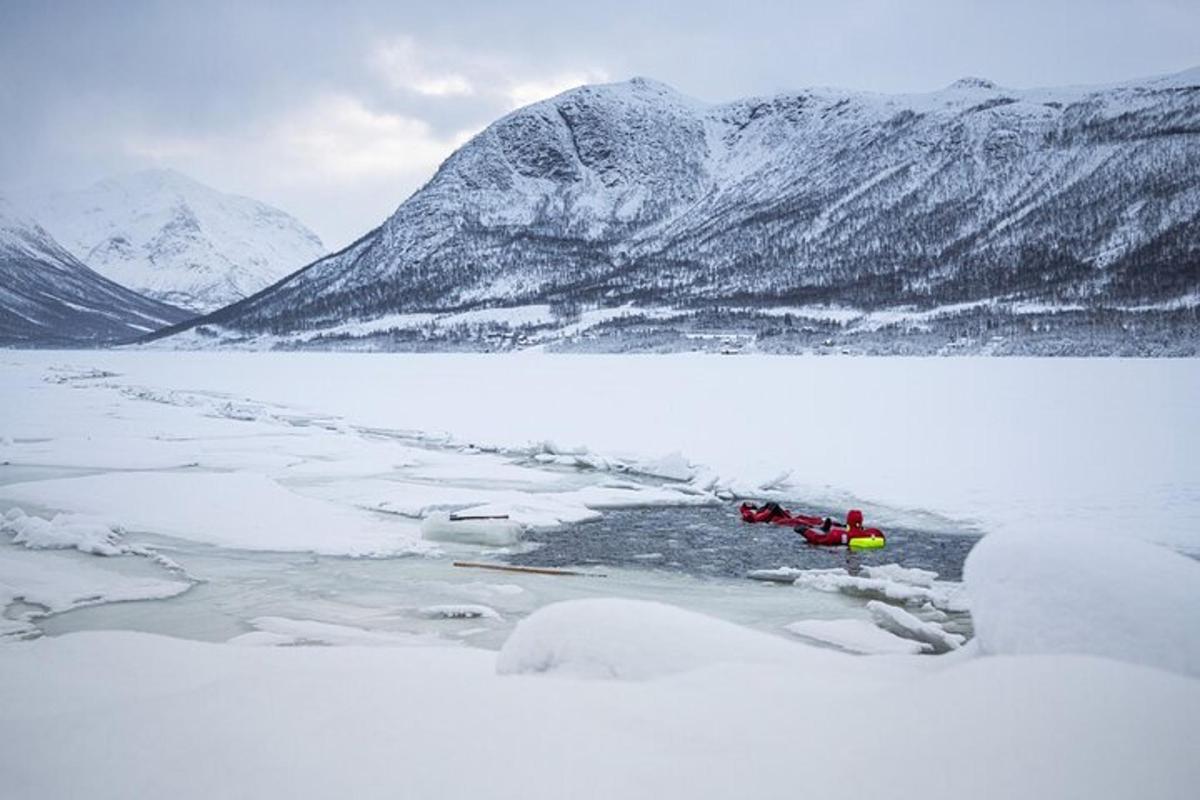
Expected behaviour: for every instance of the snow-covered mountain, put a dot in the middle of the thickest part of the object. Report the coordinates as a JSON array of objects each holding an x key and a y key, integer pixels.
[
  {"x": 176, "y": 240},
  {"x": 47, "y": 297},
  {"x": 631, "y": 195}
]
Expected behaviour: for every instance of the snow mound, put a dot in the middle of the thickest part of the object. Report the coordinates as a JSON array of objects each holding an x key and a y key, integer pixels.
[
  {"x": 857, "y": 636},
  {"x": 632, "y": 640},
  {"x": 491, "y": 532},
  {"x": 1075, "y": 593},
  {"x": 900, "y": 622}
]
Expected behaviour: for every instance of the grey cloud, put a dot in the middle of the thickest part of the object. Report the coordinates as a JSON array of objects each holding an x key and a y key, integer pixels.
[{"x": 205, "y": 82}]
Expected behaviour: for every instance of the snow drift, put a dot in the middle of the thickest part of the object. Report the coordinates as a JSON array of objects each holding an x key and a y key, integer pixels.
[{"x": 1077, "y": 593}]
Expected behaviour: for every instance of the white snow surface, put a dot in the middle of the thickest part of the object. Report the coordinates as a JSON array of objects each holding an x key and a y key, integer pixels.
[
  {"x": 1085, "y": 651},
  {"x": 1073, "y": 593},
  {"x": 176, "y": 240},
  {"x": 153, "y": 716}
]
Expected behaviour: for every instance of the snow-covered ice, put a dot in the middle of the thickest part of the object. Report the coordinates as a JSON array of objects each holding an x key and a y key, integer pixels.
[
  {"x": 242, "y": 490},
  {"x": 902, "y": 623},
  {"x": 235, "y": 509}
]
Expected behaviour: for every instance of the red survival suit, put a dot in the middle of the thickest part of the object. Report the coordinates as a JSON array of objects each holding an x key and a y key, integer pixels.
[
  {"x": 776, "y": 515},
  {"x": 830, "y": 535}
]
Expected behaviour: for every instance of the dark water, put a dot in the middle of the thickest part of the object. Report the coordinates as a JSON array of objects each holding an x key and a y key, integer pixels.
[{"x": 713, "y": 541}]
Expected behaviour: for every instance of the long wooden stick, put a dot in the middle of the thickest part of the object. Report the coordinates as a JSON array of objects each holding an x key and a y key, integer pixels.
[{"x": 533, "y": 570}]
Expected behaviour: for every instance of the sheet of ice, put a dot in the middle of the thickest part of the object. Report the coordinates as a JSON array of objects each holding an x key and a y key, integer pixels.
[
  {"x": 1079, "y": 593},
  {"x": 243, "y": 510},
  {"x": 61, "y": 581},
  {"x": 900, "y": 622},
  {"x": 896, "y": 572},
  {"x": 856, "y": 636}
]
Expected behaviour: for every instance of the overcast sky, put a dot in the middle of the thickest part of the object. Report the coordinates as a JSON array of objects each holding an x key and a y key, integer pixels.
[{"x": 336, "y": 112}]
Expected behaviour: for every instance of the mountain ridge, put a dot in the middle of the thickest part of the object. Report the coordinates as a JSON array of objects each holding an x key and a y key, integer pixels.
[
  {"x": 633, "y": 193},
  {"x": 171, "y": 237},
  {"x": 49, "y": 298}
]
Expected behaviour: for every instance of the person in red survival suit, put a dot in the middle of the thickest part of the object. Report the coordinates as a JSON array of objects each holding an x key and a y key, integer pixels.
[
  {"x": 767, "y": 512},
  {"x": 827, "y": 534},
  {"x": 774, "y": 513}
]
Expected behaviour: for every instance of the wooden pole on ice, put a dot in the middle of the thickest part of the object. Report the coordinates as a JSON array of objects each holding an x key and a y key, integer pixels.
[{"x": 531, "y": 570}]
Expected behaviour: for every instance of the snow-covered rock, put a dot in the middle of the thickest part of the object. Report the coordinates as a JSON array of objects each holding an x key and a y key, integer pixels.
[
  {"x": 1068, "y": 592},
  {"x": 172, "y": 238}
]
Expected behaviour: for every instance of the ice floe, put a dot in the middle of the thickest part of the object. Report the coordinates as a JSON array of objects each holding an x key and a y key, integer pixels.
[
  {"x": 52, "y": 582},
  {"x": 857, "y": 636},
  {"x": 901, "y": 623},
  {"x": 888, "y": 582}
]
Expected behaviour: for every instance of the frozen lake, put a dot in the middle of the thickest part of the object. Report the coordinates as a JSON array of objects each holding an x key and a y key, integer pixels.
[{"x": 290, "y": 489}]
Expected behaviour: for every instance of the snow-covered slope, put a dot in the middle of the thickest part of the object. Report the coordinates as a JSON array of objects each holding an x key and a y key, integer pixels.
[
  {"x": 177, "y": 240},
  {"x": 47, "y": 297},
  {"x": 632, "y": 193}
]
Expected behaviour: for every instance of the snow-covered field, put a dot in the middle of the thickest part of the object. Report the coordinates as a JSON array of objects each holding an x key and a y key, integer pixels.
[{"x": 254, "y": 500}]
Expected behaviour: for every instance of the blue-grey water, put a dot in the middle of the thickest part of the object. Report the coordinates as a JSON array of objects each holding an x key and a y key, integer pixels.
[{"x": 714, "y": 541}]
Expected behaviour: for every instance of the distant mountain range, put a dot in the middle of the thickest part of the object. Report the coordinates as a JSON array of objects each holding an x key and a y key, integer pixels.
[
  {"x": 975, "y": 214},
  {"x": 174, "y": 239},
  {"x": 47, "y": 297}
]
